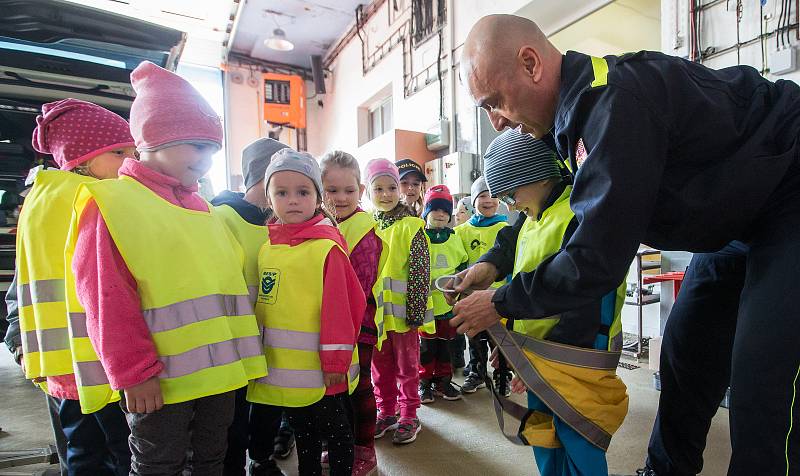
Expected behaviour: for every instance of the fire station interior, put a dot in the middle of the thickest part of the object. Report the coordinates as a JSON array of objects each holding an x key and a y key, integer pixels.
[{"x": 376, "y": 79}]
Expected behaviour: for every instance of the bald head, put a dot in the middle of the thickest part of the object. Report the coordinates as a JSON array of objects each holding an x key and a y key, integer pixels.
[{"x": 506, "y": 59}]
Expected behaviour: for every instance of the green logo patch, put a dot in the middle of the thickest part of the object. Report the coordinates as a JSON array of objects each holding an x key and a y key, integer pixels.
[{"x": 270, "y": 281}]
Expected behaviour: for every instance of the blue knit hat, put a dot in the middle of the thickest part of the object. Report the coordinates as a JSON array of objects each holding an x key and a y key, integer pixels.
[{"x": 514, "y": 159}]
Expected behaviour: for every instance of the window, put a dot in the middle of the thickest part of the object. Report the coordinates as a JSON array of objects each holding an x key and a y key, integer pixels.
[{"x": 380, "y": 118}]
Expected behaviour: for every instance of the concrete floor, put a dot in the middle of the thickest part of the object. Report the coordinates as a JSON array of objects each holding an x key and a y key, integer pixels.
[{"x": 458, "y": 438}]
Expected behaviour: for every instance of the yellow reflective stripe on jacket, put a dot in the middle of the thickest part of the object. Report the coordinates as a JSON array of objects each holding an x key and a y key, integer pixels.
[
  {"x": 445, "y": 258},
  {"x": 355, "y": 228},
  {"x": 190, "y": 284},
  {"x": 250, "y": 237},
  {"x": 289, "y": 308},
  {"x": 391, "y": 286},
  {"x": 41, "y": 235},
  {"x": 600, "y": 70}
]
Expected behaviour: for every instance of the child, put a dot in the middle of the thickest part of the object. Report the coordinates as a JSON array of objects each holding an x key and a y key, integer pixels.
[
  {"x": 255, "y": 427},
  {"x": 412, "y": 184},
  {"x": 525, "y": 174},
  {"x": 88, "y": 143},
  {"x": 160, "y": 278},
  {"x": 464, "y": 210},
  {"x": 403, "y": 304},
  {"x": 447, "y": 257},
  {"x": 478, "y": 236},
  {"x": 310, "y": 305},
  {"x": 341, "y": 178}
]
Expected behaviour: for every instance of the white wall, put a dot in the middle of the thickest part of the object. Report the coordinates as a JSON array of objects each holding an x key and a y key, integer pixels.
[{"x": 718, "y": 30}]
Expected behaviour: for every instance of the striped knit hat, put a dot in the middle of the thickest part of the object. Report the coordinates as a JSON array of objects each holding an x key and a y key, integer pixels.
[{"x": 514, "y": 159}]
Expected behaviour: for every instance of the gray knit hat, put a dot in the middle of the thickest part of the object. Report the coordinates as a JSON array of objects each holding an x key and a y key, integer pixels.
[
  {"x": 467, "y": 202},
  {"x": 478, "y": 187},
  {"x": 294, "y": 161},
  {"x": 514, "y": 159},
  {"x": 255, "y": 159}
]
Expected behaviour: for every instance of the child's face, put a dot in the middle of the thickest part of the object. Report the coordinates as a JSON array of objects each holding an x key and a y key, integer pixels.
[
  {"x": 438, "y": 219},
  {"x": 529, "y": 199},
  {"x": 342, "y": 191},
  {"x": 107, "y": 164},
  {"x": 486, "y": 205},
  {"x": 410, "y": 188},
  {"x": 185, "y": 162},
  {"x": 292, "y": 197},
  {"x": 461, "y": 214},
  {"x": 384, "y": 193}
]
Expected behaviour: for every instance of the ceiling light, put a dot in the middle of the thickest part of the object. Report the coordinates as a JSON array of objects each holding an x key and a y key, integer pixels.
[{"x": 278, "y": 41}]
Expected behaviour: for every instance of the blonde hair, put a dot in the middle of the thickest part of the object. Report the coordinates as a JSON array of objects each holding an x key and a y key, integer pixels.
[{"x": 341, "y": 159}]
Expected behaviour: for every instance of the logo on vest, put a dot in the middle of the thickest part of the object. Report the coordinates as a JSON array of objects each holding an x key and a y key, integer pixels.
[
  {"x": 474, "y": 244},
  {"x": 270, "y": 280},
  {"x": 441, "y": 262}
]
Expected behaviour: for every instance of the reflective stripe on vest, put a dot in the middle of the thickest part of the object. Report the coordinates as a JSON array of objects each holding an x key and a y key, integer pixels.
[
  {"x": 355, "y": 228},
  {"x": 445, "y": 258},
  {"x": 289, "y": 306},
  {"x": 391, "y": 286},
  {"x": 478, "y": 240},
  {"x": 190, "y": 282},
  {"x": 251, "y": 238},
  {"x": 41, "y": 235}
]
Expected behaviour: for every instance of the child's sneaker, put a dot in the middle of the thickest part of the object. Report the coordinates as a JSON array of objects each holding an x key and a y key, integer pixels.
[
  {"x": 447, "y": 391},
  {"x": 384, "y": 424},
  {"x": 425, "y": 391},
  {"x": 406, "y": 432},
  {"x": 365, "y": 462},
  {"x": 472, "y": 383},
  {"x": 284, "y": 443},
  {"x": 502, "y": 382}
]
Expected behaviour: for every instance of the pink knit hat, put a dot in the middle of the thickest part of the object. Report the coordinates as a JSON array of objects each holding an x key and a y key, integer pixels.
[
  {"x": 168, "y": 111},
  {"x": 74, "y": 131},
  {"x": 377, "y": 167}
]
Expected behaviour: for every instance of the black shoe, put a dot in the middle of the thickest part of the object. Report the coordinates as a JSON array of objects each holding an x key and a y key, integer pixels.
[
  {"x": 425, "y": 392},
  {"x": 284, "y": 443},
  {"x": 446, "y": 389},
  {"x": 265, "y": 468},
  {"x": 472, "y": 383},
  {"x": 646, "y": 471}
]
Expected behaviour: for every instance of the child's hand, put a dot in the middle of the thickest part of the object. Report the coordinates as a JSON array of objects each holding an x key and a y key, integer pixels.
[
  {"x": 145, "y": 397},
  {"x": 517, "y": 386},
  {"x": 494, "y": 358},
  {"x": 330, "y": 379}
]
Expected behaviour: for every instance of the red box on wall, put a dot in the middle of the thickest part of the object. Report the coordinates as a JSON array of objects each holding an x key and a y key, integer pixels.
[{"x": 285, "y": 100}]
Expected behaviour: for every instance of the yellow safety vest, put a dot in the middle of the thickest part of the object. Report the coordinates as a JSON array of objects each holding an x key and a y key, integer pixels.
[
  {"x": 478, "y": 240},
  {"x": 188, "y": 272},
  {"x": 391, "y": 285},
  {"x": 41, "y": 235},
  {"x": 445, "y": 258},
  {"x": 355, "y": 228},
  {"x": 289, "y": 307},
  {"x": 250, "y": 237}
]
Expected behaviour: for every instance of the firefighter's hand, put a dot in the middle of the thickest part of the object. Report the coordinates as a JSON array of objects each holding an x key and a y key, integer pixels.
[
  {"x": 330, "y": 379},
  {"x": 478, "y": 276},
  {"x": 145, "y": 397},
  {"x": 475, "y": 313},
  {"x": 517, "y": 386}
]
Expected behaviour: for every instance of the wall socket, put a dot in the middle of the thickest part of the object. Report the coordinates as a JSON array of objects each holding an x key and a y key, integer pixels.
[{"x": 783, "y": 60}]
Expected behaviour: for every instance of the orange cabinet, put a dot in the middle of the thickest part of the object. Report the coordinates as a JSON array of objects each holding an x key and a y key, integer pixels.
[{"x": 285, "y": 100}]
